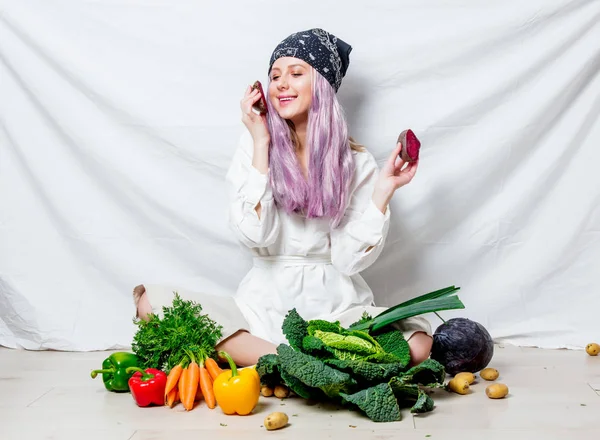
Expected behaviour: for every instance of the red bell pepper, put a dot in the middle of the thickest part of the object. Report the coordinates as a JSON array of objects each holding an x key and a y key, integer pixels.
[{"x": 147, "y": 387}]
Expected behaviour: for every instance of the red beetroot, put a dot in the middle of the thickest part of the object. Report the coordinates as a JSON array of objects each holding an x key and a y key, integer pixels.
[
  {"x": 261, "y": 104},
  {"x": 410, "y": 146}
]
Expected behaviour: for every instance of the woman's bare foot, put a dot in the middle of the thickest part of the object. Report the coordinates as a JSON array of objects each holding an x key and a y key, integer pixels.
[{"x": 142, "y": 305}]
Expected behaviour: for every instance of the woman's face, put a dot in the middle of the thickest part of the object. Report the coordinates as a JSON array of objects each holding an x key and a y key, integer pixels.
[{"x": 290, "y": 88}]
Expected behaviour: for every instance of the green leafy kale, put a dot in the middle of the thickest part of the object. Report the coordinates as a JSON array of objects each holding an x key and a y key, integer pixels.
[
  {"x": 410, "y": 394},
  {"x": 429, "y": 373},
  {"x": 294, "y": 328},
  {"x": 324, "y": 326},
  {"x": 326, "y": 339},
  {"x": 423, "y": 404},
  {"x": 367, "y": 372},
  {"x": 383, "y": 358},
  {"x": 313, "y": 372},
  {"x": 370, "y": 372},
  {"x": 267, "y": 368},
  {"x": 346, "y": 343},
  {"x": 314, "y": 346},
  {"x": 342, "y": 343},
  {"x": 378, "y": 403},
  {"x": 393, "y": 342},
  {"x": 301, "y": 389}
]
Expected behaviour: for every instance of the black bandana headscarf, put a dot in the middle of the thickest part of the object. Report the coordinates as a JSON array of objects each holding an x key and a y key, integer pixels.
[{"x": 329, "y": 55}]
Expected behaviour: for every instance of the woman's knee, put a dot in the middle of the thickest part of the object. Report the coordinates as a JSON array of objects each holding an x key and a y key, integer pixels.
[
  {"x": 246, "y": 349},
  {"x": 420, "y": 344}
]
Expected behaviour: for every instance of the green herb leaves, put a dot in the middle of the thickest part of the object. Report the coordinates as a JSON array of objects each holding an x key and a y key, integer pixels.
[{"x": 163, "y": 343}]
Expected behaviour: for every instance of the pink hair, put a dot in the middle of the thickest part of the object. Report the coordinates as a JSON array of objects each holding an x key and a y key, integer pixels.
[{"x": 330, "y": 168}]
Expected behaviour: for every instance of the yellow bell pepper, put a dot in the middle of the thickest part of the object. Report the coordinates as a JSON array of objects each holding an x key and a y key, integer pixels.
[{"x": 237, "y": 392}]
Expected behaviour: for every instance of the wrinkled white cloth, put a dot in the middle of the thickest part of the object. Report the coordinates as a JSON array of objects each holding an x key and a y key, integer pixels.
[{"x": 298, "y": 262}]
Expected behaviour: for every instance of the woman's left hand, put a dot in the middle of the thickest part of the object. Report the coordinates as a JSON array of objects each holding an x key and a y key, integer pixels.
[{"x": 392, "y": 176}]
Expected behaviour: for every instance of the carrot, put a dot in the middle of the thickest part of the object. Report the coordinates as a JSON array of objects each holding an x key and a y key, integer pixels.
[
  {"x": 183, "y": 384},
  {"x": 173, "y": 378},
  {"x": 191, "y": 385},
  {"x": 199, "y": 390},
  {"x": 171, "y": 397},
  {"x": 207, "y": 387},
  {"x": 213, "y": 368}
]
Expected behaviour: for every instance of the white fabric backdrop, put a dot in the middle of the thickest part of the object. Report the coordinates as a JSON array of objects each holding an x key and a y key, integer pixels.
[{"x": 119, "y": 119}]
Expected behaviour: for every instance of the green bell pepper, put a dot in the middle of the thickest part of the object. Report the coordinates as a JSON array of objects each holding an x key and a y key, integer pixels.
[{"x": 114, "y": 372}]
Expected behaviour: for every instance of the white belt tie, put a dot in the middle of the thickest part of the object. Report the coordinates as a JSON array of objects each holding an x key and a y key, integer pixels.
[{"x": 291, "y": 260}]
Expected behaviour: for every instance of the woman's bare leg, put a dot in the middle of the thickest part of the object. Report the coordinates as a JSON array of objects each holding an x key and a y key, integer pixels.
[
  {"x": 420, "y": 344},
  {"x": 243, "y": 347}
]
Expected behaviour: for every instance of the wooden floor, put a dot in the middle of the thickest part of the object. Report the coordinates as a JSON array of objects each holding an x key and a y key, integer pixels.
[{"x": 554, "y": 394}]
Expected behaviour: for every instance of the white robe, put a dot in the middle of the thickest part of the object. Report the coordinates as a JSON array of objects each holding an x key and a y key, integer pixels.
[{"x": 298, "y": 262}]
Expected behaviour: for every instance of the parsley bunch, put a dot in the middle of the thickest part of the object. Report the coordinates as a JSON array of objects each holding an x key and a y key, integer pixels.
[{"x": 163, "y": 343}]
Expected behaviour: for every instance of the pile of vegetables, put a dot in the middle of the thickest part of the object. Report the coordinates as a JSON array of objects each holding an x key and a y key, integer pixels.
[
  {"x": 365, "y": 366},
  {"x": 327, "y": 362},
  {"x": 182, "y": 344}
]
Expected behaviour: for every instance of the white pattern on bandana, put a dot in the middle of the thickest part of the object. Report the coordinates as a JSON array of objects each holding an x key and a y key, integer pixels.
[{"x": 334, "y": 57}]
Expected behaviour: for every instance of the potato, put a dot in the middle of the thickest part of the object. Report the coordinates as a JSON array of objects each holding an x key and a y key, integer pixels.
[
  {"x": 266, "y": 391},
  {"x": 489, "y": 374},
  {"x": 459, "y": 386},
  {"x": 496, "y": 391},
  {"x": 470, "y": 377},
  {"x": 592, "y": 349},
  {"x": 276, "y": 420},
  {"x": 281, "y": 391}
]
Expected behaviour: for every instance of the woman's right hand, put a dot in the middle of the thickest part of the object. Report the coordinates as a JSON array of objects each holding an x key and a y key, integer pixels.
[{"x": 256, "y": 124}]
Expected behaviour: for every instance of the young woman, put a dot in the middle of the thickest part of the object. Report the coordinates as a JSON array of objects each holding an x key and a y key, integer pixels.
[{"x": 309, "y": 204}]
